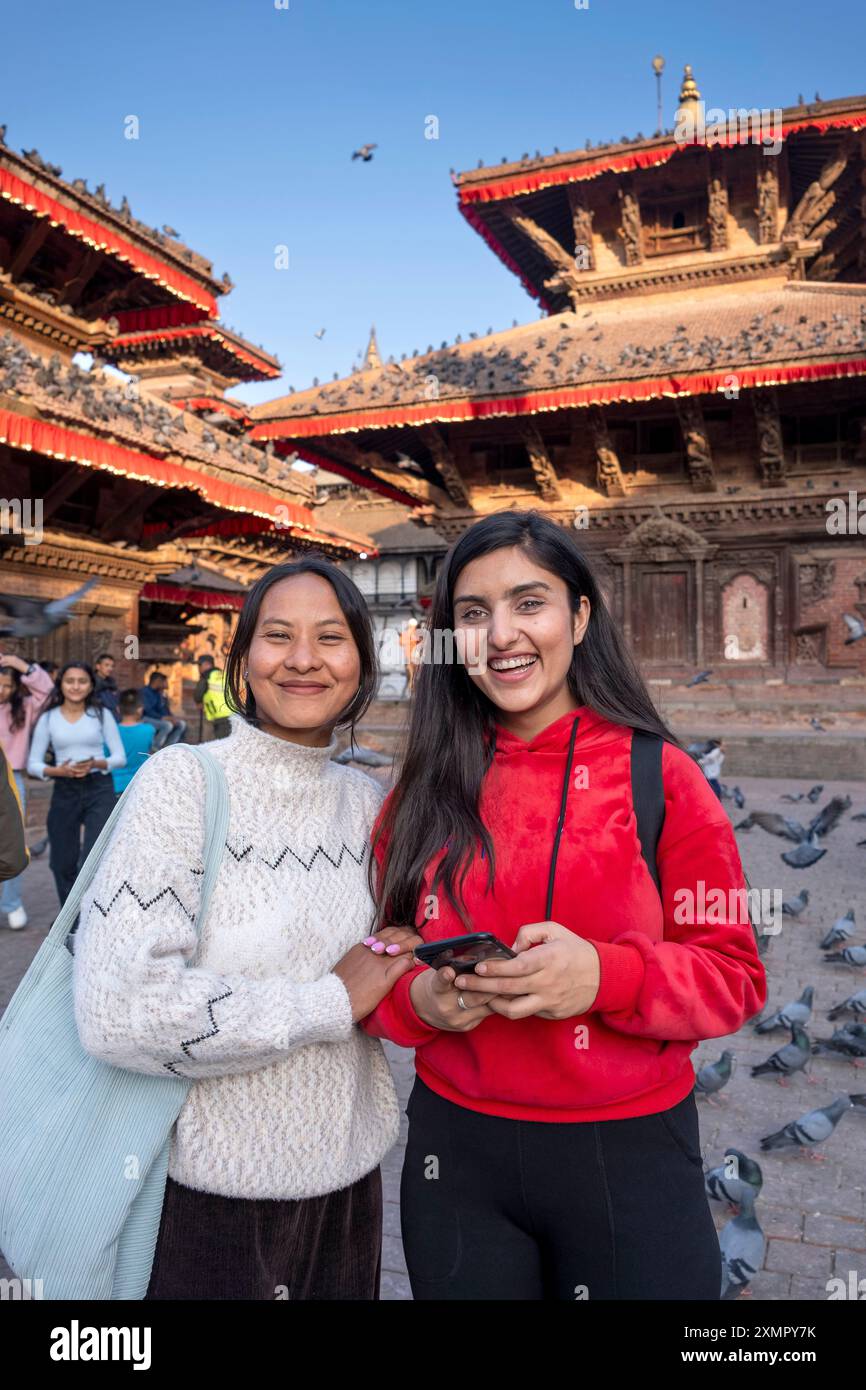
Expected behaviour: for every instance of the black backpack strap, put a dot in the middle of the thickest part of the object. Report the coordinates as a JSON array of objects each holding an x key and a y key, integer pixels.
[{"x": 648, "y": 796}]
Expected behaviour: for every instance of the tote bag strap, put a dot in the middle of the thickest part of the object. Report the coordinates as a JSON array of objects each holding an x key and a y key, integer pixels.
[{"x": 216, "y": 798}]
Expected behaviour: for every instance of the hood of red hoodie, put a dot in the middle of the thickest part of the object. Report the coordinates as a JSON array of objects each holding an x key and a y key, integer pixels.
[{"x": 593, "y": 729}]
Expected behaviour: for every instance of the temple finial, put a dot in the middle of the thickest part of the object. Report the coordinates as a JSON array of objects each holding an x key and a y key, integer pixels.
[{"x": 371, "y": 356}]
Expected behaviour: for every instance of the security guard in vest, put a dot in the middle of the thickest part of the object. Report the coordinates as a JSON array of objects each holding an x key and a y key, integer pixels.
[{"x": 210, "y": 694}]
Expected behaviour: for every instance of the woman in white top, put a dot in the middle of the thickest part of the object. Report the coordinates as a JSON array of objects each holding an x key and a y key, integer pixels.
[{"x": 78, "y": 729}]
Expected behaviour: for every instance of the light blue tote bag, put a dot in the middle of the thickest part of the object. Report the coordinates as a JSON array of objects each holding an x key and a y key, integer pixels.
[{"x": 84, "y": 1145}]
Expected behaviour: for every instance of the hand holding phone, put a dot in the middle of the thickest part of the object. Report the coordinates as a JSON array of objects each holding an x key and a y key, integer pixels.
[{"x": 463, "y": 953}]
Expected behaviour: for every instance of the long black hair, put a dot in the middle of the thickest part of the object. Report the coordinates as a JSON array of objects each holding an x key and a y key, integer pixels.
[
  {"x": 351, "y": 601},
  {"x": 17, "y": 712},
  {"x": 450, "y": 743},
  {"x": 92, "y": 704}
]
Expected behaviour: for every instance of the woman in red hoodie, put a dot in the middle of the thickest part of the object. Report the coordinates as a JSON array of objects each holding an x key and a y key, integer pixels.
[{"x": 553, "y": 1148}]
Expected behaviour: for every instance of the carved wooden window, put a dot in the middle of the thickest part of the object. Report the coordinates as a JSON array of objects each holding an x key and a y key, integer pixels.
[
  {"x": 654, "y": 444},
  {"x": 745, "y": 619},
  {"x": 505, "y": 463},
  {"x": 675, "y": 224},
  {"x": 816, "y": 438}
]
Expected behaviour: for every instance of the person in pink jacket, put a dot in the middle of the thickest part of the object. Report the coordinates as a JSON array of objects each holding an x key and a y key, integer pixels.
[{"x": 23, "y": 690}]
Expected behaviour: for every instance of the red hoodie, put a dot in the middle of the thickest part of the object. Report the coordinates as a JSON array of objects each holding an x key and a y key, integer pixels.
[{"x": 665, "y": 984}]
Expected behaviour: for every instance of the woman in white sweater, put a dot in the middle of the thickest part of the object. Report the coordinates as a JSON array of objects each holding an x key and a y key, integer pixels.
[{"x": 274, "y": 1188}]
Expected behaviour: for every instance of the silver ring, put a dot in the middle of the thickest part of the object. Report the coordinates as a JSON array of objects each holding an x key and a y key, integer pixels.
[{"x": 461, "y": 1003}]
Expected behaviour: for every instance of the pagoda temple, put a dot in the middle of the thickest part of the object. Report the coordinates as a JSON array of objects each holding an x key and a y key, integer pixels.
[
  {"x": 142, "y": 477},
  {"x": 692, "y": 400}
]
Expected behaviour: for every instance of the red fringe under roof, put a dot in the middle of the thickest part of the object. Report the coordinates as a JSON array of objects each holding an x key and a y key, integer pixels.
[
  {"x": 518, "y": 184},
  {"x": 197, "y": 330},
  {"x": 55, "y": 441},
  {"x": 207, "y": 599},
  {"x": 15, "y": 190},
  {"x": 604, "y": 393}
]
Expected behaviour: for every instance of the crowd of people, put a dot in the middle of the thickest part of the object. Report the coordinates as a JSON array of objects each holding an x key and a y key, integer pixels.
[{"x": 73, "y": 727}]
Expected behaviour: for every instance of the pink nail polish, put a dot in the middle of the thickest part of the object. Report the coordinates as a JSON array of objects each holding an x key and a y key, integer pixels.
[
  {"x": 368, "y": 941},
  {"x": 393, "y": 950},
  {"x": 378, "y": 948}
]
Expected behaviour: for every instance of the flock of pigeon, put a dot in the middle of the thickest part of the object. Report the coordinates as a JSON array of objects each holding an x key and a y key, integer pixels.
[
  {"x": 738, "y": 1179},
  {"x": 569, "y": 355},
  {"x": 93, "y": 396}
]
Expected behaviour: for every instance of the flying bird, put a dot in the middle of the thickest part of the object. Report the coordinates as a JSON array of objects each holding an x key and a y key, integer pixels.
[
  {"x": 30, "y": 618},
  {"x": 320, "y": 333},
  {"x": 699, "y": 679},
  {"x": 856, "y": 628},
  {"x": 365, "y": 152}
]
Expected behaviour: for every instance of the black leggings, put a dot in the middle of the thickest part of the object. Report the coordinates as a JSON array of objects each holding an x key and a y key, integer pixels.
[{"x": 528, "y": 1209}]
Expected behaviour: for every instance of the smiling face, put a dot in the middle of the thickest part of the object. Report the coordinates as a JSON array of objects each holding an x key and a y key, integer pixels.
[
  {"x": 303, "y": 663},
  {"x": 523, "y": 612},
  {"x": 76, "y": 685}
]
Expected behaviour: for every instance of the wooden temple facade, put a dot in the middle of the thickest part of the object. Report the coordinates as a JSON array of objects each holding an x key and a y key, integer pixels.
[
  {"x": 147, "y": 481},
  {"x": 692, "y": 400}
]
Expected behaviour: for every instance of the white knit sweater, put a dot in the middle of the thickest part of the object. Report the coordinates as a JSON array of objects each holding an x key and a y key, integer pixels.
[{"x": 290, "y": 1098}]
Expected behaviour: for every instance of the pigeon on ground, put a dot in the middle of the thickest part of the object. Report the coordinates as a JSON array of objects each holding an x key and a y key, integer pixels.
[
  {"x": 810, "y": 1129},
  {"x": 815, "y": 793},
  {"x": 739, "y": 799},
  {"x": 792, "y": 796},
  {"x": 367, "y": 757},
  {"x": 714, "y": 1075},
  {"x": 855, "y": 1004},
  {"x": 743, "y": 1245},
  {"x": 803, "y": 856},
  {"x": 840, "y": 931},
  {"x": 849, "y": 1042},
  {"x": 849, "y": 955},
  {"x": 799, "y": 1011},
  {"x": 789, "y": 1059},
  {"x": 727, "y": 1182},
  {"x": 817, "y": 725},
  {"x": 859, "y": 1102},
  {"x": 792, "y": 907},
  {"x": 30, "y": 618}
]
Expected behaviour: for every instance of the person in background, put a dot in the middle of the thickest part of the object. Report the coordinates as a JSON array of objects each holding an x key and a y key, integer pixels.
[
  {"x": 711, "y": 765},
  {"x": 77, "y": 727},
  {"x": 154, "y": 702},
  {"x": 137, "y": 739},
  {"x": 23, "y": 690},
  {"x": 13, "y": 851},
  {"x": 49, "y": 667},
  {"x": 210, "y": 693},
  {"x": 106, "y": 686}
]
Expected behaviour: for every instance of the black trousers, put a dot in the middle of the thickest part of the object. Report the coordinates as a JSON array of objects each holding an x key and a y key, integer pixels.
[
  {"x": 78, "y": 804},
  {"x": 529, "y": 1210},
  {"x": 321, "y": 1248}
]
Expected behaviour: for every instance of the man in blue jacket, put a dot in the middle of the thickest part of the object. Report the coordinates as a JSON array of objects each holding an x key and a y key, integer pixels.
[{"x": 154, "y": 703}]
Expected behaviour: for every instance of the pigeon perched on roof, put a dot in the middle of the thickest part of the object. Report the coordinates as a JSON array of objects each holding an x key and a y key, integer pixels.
[
  {"x": 789, "y": 1059},
  {"x": 798, "y": 1011},
  {"x": 727, "y": 1182},
  {"x": 810, "y": 1129},
  {"x": 840, "y": 931},
  {"x": 713, "y": 1076},
  {"x": 743, "y": 1245},
  {"x": 31, "y": 618}
]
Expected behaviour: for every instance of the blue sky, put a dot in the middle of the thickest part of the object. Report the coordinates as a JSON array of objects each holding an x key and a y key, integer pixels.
[{"x": 249, "y": 113}]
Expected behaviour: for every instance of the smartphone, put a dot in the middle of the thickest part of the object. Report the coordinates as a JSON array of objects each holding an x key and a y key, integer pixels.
[{"x": 463, "y": 953}]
